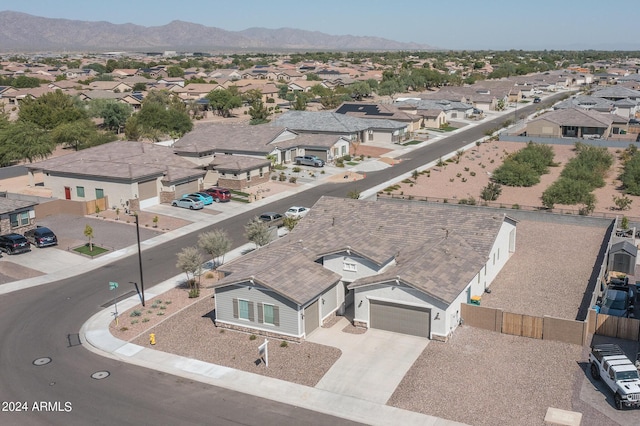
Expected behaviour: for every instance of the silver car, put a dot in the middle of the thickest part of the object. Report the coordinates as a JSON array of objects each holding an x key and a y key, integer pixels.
[{"x": 188, "y": 203}]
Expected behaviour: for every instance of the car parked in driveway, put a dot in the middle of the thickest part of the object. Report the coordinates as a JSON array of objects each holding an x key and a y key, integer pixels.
[
  {"x": 202, "y": 196},
  {"x": 14, "y": 243},
  {"x": 219, "y": 195},
  {"x": 297, "y": 212},
  {"x": 617, "y": 302},
  {"x": 41, "y": 237},
  {"x": 188, "y": 203},
  {"x": 272, "y": 219}
]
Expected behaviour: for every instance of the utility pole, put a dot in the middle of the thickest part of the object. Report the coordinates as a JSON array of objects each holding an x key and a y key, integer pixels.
[{"x": 140, "y": 258}]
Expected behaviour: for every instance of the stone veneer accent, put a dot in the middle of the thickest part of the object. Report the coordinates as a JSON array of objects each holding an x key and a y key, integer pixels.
[
  {"x": 360, "y": 324},
  {"x": 167, "y": 197},
  {"x": 240, "y": 184},
  {"x": 5, "y": 226},
  {"x": 259, "y": 332}
]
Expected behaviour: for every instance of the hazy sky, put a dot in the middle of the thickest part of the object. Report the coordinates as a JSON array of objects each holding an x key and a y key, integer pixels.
[{"x": 458, "y": 24}]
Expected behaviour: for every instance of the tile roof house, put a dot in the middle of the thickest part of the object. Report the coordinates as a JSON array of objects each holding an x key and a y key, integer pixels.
[
  {"x": 16, "y": 215},
  {"x": 573, "y": 123},
  {"x": 207, "y": 143},
  {"x": 129, "y": 174},
  {"x": 407, "y": 275},
  {"x": 354, "y": 128},
  {"x": 381, "y": 111},
  {"x": 425, "y": 108}
]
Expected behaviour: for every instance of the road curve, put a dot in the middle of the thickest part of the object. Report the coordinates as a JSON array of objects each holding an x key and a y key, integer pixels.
[{"x": 43, "y": 322}]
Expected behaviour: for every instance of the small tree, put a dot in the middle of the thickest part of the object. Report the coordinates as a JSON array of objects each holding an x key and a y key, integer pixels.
[
  {"x": 155, "y": 221},
  {"x": 355, "y": 194},
  {"x": 624, "y": 223},
  {"x": 88, "y": 232},
  {"x": 290, "y": 222},
  {"x": 623, "y": 202},
  {"x": 190, "y": 262},
  {"x": 215, "y": 243},
  {"x": 117, "y": 213},
  {"x": 491, "y": 192},
  {"x": 257, "y": 232}
]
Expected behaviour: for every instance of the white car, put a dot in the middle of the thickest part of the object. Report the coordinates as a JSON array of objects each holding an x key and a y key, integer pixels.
[
  {"x": 297, "y": 212},
  {"x": 188, "y": 203}
]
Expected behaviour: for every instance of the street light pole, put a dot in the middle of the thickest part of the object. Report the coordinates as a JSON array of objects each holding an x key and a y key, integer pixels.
[{"x": 140, "y": 258}]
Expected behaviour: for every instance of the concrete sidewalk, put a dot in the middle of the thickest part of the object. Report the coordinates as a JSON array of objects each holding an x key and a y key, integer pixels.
[
  {"x": 96, "y": 337},
  {"x": 372, "y": 365}
]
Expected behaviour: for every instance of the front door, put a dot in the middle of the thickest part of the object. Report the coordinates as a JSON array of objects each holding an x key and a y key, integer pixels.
[{"x": 67, "y": 193}]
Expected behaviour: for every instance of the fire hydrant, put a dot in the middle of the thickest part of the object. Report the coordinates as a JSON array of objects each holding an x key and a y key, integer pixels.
[{"x": 152, "y": 338}]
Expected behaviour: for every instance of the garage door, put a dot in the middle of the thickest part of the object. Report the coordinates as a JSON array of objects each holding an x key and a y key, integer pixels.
[
  {"x": 320, "y": 153},
  {"x": 311, "y": 318},
  {"x": 187, "y": 187},
  {"x": 400, "y": 318}
]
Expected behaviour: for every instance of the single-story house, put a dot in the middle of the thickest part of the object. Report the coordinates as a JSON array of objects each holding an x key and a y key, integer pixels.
[
  {"x": 571, "y": 122},
  {"x": 238, "y": 171},
  {"x": 354, "y": 128},
  {"x": 16, "y": 215},
  {"x": 381, "y": 111},
  {"x": 400, "y": 266},
  {"x": 425, "y": 108},
  {"x": 131, "y": 175}
]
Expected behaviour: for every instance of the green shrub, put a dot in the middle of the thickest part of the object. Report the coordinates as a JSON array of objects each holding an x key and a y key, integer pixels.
[
  {"x": 284, "y": 344},
  {"x": 472, "y": 173},
  {"x": 293, "y": 179},
  {"x": 135, "y": 313},
  {"x": 253, "y": 337},
  {"x": 491, "y": 192},
  {"x": 145, "y": 319},
  {"x": 296, "y": 169},
  {"x": 134, "y": 321}
]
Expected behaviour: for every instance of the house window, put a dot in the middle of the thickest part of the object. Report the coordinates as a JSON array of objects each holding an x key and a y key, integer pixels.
[
  {"x": 19, "y": 219},
  {"x": 80, "y": 191},
  {"x": 350, "y": 266},
  {"x": 248, "y": 176},
  {"x": 268, "y": 314},
  {"x": 494, "y": 258},
  {"x": 99, "y": 193},
  {"x": 243, "y": 309}
]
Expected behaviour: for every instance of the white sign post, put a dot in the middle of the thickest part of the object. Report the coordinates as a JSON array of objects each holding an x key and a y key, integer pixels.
[{"x": 263, "y": 352}]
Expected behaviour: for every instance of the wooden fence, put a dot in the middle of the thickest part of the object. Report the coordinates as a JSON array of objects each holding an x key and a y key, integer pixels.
[
  {"x": 546, "y": 327},
  {"x": 72, "y": 207},
  {"x": 608, "y": 325}
]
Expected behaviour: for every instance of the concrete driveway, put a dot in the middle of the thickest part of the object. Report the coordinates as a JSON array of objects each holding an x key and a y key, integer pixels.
[{"x": 371, "y": 365}]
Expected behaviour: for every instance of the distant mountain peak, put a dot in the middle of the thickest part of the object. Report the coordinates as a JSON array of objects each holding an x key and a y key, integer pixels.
[{"x": 23, "y": 32}]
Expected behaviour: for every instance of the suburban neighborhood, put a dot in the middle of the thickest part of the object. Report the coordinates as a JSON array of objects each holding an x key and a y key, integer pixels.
[{"x": 429, "y": 237}]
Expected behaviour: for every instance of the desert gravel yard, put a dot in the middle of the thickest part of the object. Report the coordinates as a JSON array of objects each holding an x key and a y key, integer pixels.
[
  {"x": 550, "y": 270},
  {"x": 191, "y": 333},
  {"x": 481, "y": 377}
]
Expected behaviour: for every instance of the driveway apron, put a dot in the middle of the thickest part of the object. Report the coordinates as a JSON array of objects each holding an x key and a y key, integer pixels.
[{"x": 371, "y": 365}]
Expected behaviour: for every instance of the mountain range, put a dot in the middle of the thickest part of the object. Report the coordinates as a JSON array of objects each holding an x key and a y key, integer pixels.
[{"x": 27, "y": 33}]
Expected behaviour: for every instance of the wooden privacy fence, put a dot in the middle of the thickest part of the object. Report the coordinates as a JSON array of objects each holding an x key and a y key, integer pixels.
[
  {"x": 72, "y": 207},
  {"x": 546, "y": 327},
  {"x": 608, "y": 325}
]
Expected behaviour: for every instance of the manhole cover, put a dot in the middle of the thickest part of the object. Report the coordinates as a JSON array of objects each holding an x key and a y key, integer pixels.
[
  {"x": 99, "y": 375},
  {"x": 42, "y": 361}
]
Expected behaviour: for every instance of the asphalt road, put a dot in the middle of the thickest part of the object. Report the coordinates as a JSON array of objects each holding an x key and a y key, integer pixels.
[{"x": 44, "y": 322}]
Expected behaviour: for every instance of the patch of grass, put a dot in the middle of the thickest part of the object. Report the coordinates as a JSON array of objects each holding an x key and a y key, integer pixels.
[
  {"x": 240, "y": 193},
  {"x": 351, "y": 163},
  {"x": 449, "y": 129},
  {"x": 97, "y": 250},
  {"x": 411, "y": 143}
]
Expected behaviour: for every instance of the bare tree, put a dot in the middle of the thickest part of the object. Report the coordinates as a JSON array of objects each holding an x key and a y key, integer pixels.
[
  {"x": 190, "y": 262},
  {"x": 216, "y": 243},
  {"x": 257, "y": 232}
]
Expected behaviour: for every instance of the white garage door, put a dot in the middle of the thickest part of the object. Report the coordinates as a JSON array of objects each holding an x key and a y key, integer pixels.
[{"x": 399, "y": 318}]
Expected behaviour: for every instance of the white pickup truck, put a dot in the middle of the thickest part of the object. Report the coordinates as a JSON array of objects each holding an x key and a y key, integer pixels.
[{"x": 610, "y": 364}]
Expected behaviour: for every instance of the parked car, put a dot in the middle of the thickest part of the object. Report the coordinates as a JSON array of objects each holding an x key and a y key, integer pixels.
[
  {"x": 188, "y": 203},
  {"x": 272, "y": 218},
  {"x": 219, "y": 195},
  {"x": 634, "y": 121},
  {"x": 202, "y": 196},
  {"x": 536, "y": 100},
  {"x": 617, "y": 302},
  {"x": 296, "y": 212},
  {"x": 14, "y": 243},
  {"x": 477, "y": 111},
  {"x": 41, "y": 237},
  {"x": 610, "y": 364},
  {"x": 309, "y": 160}
]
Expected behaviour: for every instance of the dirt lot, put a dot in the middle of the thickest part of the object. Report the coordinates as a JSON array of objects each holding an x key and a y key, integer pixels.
[{"x": 468, "y": 177}]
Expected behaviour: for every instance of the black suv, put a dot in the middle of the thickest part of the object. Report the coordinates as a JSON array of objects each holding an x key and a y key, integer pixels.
[
  {"x": 41, "y": 237},
  {"x": 14, "y": 243}
]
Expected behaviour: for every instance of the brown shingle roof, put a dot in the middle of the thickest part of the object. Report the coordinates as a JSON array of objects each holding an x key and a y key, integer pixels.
[{"x": 436, "y": 248}]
